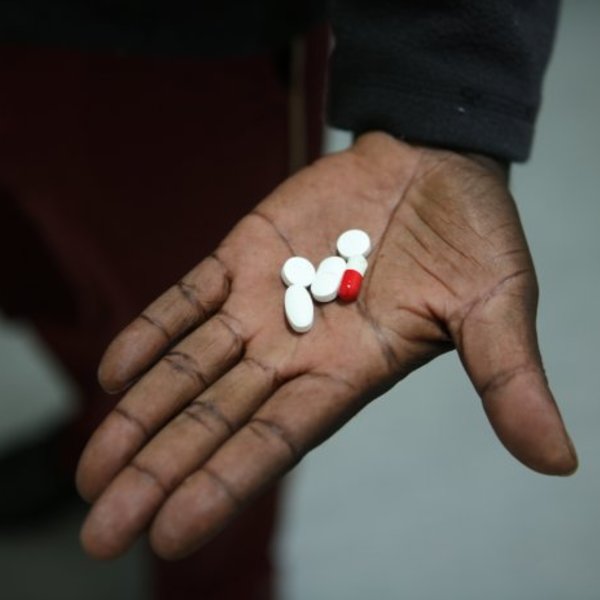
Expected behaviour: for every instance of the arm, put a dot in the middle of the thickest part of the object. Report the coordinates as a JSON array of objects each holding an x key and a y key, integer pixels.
[
  {"x": 240, "y": 398},
  {"x": 226, "y": 399}
]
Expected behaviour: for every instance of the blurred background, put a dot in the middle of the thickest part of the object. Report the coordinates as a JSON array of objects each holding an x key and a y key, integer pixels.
[{"x": 415, "y": 498}]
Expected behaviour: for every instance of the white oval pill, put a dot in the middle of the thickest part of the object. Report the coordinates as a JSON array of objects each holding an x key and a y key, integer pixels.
[
  {"x": 358, "y": 263},
  {"x": 354, "y": 242},
  {"x": 328, "y": 278},
  {"x": 298, "y": 271},
  {"x": 299, "y": 308}
]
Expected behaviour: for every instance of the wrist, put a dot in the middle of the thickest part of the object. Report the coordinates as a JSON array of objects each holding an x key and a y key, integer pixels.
[{"x": 496, "y": 165}]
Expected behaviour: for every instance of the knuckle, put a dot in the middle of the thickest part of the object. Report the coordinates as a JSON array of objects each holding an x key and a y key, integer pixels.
[
  {"x": 274, "y": 435},
  {"x": 209, "y": 415}
]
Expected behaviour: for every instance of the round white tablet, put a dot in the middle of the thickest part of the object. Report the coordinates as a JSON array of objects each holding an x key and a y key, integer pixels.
[
  {"x": 354, "y": 242},
  {"x": 298, "y": 271}
]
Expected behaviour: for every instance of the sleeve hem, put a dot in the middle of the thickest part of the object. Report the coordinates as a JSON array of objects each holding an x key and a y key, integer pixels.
[{"x": 439, "y": 120}]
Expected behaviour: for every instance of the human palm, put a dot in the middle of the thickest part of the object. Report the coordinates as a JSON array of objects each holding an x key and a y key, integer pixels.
[{"x": 231, "y": 397}]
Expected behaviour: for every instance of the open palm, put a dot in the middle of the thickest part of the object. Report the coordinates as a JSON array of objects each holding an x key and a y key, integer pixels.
[{"x": 231, "y": 398}]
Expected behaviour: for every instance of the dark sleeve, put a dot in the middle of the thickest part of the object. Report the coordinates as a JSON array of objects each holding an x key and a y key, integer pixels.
[{"x": 462, "y": 74}]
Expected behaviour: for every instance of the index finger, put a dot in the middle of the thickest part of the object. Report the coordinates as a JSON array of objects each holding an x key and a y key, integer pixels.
[{"x": 182, "y": 307}]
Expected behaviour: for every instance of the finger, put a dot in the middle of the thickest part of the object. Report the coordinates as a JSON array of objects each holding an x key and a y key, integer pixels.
[
  {"x": 186, "y": 304},
  {"x": 184, "y": 372},
  {"x": 498, "y": 345},
  {"x": 296, "y": 418},
  {"x": 132, "y": 499}
]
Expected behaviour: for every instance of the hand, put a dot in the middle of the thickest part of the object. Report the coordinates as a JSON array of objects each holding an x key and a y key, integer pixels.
[{"x": 227, "y": 398}]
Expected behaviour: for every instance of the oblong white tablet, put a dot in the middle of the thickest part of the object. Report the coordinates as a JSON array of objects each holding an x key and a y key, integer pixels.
[
  {"x": 354, "y": 242},
  {"x": 299, "y": 308},
  {"x": 328, "y": 278},
  {"x": 298, "y": 271}
]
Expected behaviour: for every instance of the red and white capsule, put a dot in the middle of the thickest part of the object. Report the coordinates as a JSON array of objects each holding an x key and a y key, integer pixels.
[{"x": 353, "y": 277}]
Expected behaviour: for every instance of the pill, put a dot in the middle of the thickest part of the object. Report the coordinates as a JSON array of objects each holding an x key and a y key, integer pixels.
[
  {"x": 327, "y": 281},
  {"x": 298, "y": 271},
  {"x": 354, "y": 242},
  {"x": 299, "y": 308},
  {"x": 352, "y": 278}
]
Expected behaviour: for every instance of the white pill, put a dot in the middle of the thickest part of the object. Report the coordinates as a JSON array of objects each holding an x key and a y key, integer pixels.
[
  {"x": 298, "y": 271},
  {"x": 328, "y": 278},
  {"x": 299, "y": 308},
  {"x": 354, "y": 242}
]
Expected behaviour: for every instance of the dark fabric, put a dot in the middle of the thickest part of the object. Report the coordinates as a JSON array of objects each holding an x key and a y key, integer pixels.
[
  {"x": 463, "y": 74},
  {"x": 163, "y": 27},
  {"x": 117, "y": 175},
  {"x": 236, "y": 565}
]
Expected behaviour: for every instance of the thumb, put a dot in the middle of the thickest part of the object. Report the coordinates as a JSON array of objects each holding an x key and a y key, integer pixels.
[{"x": 497, "y": 343}]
